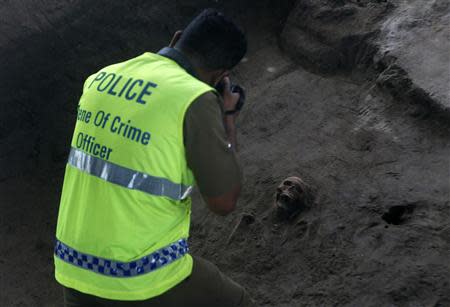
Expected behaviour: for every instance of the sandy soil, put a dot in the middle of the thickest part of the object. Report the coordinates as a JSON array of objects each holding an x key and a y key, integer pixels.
[{"x": 379, "y": 233}]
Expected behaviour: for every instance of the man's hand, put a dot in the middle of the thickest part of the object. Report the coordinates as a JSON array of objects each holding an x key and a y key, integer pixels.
[{"x": 230, "y": 99}]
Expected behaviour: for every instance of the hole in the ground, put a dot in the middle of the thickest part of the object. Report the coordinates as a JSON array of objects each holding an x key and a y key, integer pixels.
[
  {"x": 397, "y": 215},
  {"x": 248, "y": 218}
]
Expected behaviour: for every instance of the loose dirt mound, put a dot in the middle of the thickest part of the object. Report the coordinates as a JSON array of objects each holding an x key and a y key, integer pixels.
[{"x": 378, "y": 234}]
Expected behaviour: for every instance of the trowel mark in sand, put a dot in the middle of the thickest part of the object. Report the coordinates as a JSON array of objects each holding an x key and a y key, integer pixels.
[{"x": 370, "y": 118}]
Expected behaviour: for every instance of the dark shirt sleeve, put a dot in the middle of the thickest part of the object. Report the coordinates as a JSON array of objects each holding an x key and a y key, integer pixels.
[{"x": 209, "y": 154}]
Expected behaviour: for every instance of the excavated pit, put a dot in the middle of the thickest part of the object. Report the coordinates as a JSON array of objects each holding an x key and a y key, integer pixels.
[{"x": 317, "y": 107}]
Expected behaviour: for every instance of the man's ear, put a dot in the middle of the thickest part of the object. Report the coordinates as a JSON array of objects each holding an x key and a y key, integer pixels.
[{"x": 175, "y": 38}]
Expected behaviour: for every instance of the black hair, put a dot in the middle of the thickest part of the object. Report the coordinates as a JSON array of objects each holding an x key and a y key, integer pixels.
[{"x": 213, "y": 40}]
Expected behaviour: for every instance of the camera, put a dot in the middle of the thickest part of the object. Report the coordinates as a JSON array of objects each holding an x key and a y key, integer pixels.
[{"x": 234, "y": 88}]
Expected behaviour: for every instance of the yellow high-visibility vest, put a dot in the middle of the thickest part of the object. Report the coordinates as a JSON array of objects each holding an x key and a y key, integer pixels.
[{"x": 125, "y": 208}]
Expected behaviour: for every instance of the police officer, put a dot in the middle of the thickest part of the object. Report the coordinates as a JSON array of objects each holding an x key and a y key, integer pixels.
[{"x": 123, "y": 222}]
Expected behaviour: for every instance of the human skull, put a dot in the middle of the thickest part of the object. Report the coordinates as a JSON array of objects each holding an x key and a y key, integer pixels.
[{"x": 292, "y": 196}]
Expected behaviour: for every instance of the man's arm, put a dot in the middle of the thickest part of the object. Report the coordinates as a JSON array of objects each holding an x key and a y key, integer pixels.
[
  {"x": 229, "y": 104},
  {"x": 211, "y": 155},
  {"x": 224, "y": 204}
]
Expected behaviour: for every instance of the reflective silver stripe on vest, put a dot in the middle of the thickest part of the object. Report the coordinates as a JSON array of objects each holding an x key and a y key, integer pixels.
[{"x": 126, "y": 177}]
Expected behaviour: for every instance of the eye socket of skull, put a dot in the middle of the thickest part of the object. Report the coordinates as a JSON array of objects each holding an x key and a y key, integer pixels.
[
  {"x": 287, "y": 182},
  {"x": 299, "y": 189}
]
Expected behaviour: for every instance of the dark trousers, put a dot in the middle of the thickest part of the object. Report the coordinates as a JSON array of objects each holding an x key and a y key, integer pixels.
[{"x": 206, "y": 286}]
